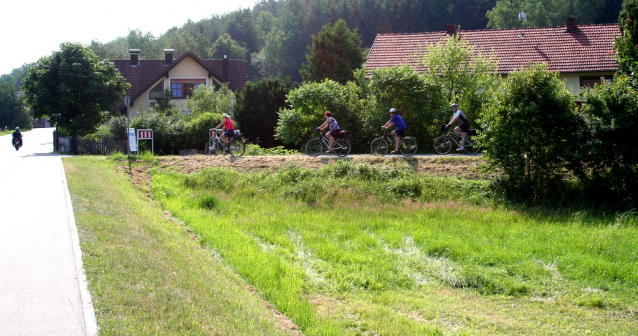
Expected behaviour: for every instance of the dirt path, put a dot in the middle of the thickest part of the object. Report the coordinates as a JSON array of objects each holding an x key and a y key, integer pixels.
[{"x": 472, "y": 167}]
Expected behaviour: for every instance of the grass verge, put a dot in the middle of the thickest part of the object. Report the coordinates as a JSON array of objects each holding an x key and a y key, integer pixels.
[
  {"x": 353, "y": 249},
  {"x": 146, "y": 274}
]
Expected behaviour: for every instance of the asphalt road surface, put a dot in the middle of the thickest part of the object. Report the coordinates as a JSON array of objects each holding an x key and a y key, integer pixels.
[{"x": 42, "y": 284}]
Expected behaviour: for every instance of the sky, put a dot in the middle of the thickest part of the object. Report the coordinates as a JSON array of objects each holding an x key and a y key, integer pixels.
[{"x": 35, "y": 28}]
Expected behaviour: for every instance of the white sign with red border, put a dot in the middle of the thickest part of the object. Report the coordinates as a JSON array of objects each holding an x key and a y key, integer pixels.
[{"x": 145, "y": 134}]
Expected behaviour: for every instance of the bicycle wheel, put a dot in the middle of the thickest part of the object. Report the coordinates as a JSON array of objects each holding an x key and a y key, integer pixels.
[
  {"x": 408, "y": 146},
  {"x": 211, "y": 148},
  {"x": 342, "y": 147},
  {"x": 237, "y": 147},
  {"x": 314, "y": 147},
  {"x": 471, "y": 147},
  {"x": 442, "y": 145},
  {"x": 379, "y": 146}
]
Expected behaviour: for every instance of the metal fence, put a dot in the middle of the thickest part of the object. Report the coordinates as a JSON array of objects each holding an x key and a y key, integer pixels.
[{"x": 100, "y": 147}]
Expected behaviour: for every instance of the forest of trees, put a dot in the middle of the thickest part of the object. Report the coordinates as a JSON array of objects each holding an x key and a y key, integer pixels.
[{"x": 274, "y": 36}]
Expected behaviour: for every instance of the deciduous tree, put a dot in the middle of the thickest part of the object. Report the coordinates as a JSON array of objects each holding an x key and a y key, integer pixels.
[{"x": 77, "y": 84}]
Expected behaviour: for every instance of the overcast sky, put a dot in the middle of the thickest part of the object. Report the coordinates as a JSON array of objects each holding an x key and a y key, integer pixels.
[{"x": 34, "y": 28}]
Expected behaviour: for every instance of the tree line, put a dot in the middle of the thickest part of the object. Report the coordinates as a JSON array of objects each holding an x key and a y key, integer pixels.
[{"x": 274, "y": 35}]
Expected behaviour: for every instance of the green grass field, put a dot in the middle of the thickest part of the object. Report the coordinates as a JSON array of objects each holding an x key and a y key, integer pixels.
[
  {"x": 146, "y": 274},
  {"x": 353, "y": 249}
]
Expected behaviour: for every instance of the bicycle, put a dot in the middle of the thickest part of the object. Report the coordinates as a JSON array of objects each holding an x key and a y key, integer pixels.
[
  {"x": 216, "y": 145},
  {"x": 407, "y": 145},
  {"x": 314, "y": 147},
  {"x": 443, "y": 144}
]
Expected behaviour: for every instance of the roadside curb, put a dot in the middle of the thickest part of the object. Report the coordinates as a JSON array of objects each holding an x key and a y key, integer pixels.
[{"x": 87, "y": 305}]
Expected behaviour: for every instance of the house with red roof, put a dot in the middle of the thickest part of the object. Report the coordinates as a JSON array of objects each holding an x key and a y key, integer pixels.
[
  {"x": 580, "y": 54},
  {"x": 149, "y": 78}
]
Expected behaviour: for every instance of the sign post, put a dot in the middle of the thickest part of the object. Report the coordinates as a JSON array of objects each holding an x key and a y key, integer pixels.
[
  {"x": 127, "y": 102},
  {"x": 145, "y": 134}
]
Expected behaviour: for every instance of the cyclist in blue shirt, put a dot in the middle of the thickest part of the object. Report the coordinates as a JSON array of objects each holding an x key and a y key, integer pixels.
[{"x": 398, "y": 133}]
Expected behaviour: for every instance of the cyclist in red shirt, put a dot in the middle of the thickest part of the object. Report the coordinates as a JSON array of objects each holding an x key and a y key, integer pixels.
[{"x": 228, "y": 130}]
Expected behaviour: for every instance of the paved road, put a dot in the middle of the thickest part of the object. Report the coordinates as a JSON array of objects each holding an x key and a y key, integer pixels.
[{"x": 42, "y": 284}]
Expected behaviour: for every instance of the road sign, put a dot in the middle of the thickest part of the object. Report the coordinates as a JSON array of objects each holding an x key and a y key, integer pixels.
[
  {"x": 232, "y": 102},
  {"x": 127, "y": 101},
  {"x": 146, "y": 134},
  {"x": 131, "y": 140}
]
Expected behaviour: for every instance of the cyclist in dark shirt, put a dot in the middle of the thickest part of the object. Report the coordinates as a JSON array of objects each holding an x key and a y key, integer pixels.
[
  {"x": 396, "y": 119},
  {"x": 463, "y": 127}
]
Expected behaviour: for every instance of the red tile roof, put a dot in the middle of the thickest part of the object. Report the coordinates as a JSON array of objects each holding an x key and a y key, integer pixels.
[
  {"x": 148, "y": 72},
  {"x": 587, "y": 49}
]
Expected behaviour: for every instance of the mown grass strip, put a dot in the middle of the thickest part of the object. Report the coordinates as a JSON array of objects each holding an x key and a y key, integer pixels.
[
  {"x": 145, "y": 274},
  {"x": 350, "y": 250}
]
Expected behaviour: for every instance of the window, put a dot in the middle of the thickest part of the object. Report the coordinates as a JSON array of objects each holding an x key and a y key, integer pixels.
[
  {"x": 157, "y": 92},
  {"x": 589, "y": 81},
  {"x": 183, "y": 88}
]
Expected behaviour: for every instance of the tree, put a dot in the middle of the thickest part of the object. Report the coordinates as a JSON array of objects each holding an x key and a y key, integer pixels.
[
  {"x": 532, "y": 132},
  {"x": 551, "y": 12},
  {"x": 257, "y": 106},
  {"x": 210, "y": 100},
  {"x": 271, "y": 61},
  {"x": 626, "y": 45},
  {"x": 226, "y": 46},
  {"x": 335, "y": 53},
  {"x": 12, "y": 112},
  {"x": 465, "y": 76},
  {"x": 75, "y": 83}
]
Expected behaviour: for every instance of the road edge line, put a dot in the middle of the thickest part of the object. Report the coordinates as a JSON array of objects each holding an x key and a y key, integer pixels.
[{"x": 87, "y": 304}]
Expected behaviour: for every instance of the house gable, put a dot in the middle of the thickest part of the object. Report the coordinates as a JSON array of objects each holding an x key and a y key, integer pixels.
[{"x": 188, "y": 68}]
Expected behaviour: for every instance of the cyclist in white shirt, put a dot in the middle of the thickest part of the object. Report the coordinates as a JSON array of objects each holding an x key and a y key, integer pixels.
[
  {"x": 334, "y": 129},
  {"x": 463, "y": 127}
]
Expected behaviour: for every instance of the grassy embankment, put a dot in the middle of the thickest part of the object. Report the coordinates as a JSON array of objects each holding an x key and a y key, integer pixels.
[
  {"x": 354, "y": 249},
  {"x": 146, "y": 274}
]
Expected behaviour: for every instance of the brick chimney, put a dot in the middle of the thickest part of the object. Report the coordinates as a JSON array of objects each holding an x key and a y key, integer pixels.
[
  {"x": 571, "y": 25},
  {"x": 135, "y": 53},
  {"x": 225, "y": 69},
  {"x": 168, "y": 56},
  {"x": 451, "y": 29}
]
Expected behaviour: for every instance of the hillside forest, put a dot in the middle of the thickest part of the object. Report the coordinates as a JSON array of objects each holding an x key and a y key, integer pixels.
[{"x": 283, "y": 29}]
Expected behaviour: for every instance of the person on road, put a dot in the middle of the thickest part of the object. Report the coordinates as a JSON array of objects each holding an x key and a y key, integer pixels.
[
  {"x": 17, "y": 135},
  {"x": 462, "y": 128},
  {"x": 334, "y": 129},
  {"x": 399, "y": 132},
  {"x": 228, "y": 129}
]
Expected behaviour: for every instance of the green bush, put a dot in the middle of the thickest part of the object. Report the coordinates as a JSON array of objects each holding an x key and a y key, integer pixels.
[
  {"x": 196, "y": 129},
  {"x": 533, "y": 132},
  {"x": 168, "y": 131},
  {"x": 308, "y": 104},
  {"x": 419, "y": 103},
  {"x": 255, "y": 150},
  {"x": 610, "y": 169}
]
